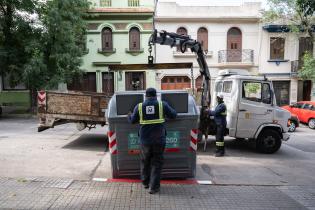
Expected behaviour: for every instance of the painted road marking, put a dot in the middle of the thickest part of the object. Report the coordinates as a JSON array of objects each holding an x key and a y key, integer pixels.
[{"x": 188, "y": 181}]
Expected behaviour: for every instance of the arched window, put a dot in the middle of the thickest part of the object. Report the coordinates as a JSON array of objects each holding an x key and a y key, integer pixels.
[
  {"x": 202, "y": 37},
  {"x": 234, "y": 45},
  {"x": 134, "y": 39},
  {"x": 107, "y": 39},
  {"x": 181, "y": 31}
]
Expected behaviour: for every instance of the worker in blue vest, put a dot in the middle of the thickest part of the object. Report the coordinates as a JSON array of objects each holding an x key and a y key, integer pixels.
[
  {"x": 150, "y": 114},
  {"x": 219, "y": 114}
]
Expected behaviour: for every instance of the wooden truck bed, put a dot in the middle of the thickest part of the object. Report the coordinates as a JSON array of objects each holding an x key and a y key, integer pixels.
[{"x": 86, "y": 108}]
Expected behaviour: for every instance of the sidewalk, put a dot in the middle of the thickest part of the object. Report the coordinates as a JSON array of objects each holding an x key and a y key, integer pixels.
[{"x": 54, "y": 193}]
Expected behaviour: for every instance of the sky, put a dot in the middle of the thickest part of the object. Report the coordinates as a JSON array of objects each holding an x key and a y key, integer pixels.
[{"x": 215, "y": 2}]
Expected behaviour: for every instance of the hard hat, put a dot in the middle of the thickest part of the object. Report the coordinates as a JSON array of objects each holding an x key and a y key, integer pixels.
[
  {"x": 150, "y": 92},
  {"x": 220, "y": 95}
]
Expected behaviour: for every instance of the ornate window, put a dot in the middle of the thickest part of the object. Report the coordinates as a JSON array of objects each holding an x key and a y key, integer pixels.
[
  {"x": 107, "y": 39},
  {"x": 134, "y": 39},
  {"x": 105, "y": 3},
  {"x": 181, "y": 31},
  {"x": 133, "y": 3},
  {"x": 202, "y": 37}
]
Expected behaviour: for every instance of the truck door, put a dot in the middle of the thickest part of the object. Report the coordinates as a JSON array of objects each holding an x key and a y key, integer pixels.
[{"x": 254, "y": 108}]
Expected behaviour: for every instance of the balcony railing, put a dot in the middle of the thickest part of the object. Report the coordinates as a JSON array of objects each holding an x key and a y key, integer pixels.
[
  {"x": 296, "y": 65},
  {"x": 105, "y": 3},
  {"x": 236, "y": 56},
  {"x": 133, "y": 3}
]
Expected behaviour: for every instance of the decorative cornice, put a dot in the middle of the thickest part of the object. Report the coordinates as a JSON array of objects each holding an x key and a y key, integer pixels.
[{"x": 253, "y": 19}]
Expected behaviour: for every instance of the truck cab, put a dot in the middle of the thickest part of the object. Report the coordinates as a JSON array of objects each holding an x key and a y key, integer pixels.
[{"x": 252, "y": 112}]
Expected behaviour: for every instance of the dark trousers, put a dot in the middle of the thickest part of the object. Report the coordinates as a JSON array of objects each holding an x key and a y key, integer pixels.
[
  {"x": 219, "y": 139},
  {"x": 151, "y": 164}
]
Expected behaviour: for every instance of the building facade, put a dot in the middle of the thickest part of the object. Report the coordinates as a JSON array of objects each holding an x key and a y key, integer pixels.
[
  {"x": 229, "y": 34},
  {"x": 281, "y": 59},
  {"x": 118, "y": 33}
]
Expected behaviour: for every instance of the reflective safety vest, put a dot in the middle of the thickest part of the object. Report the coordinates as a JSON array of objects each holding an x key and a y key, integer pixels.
[{"x": 154, "y": 121}]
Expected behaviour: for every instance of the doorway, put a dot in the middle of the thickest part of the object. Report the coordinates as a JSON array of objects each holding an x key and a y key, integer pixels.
[{"x": 234, "y": 45}]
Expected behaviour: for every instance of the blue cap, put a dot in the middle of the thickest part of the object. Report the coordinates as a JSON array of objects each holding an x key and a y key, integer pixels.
[{"x": 150, "y": 92}]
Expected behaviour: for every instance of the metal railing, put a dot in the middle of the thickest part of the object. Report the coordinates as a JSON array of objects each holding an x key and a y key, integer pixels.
[
  {"x": 105, "y": 3},
  {"x": 133, "y": 3},
  {"x": 295, "y": 66},
  {"x": 243, "y": 56}
]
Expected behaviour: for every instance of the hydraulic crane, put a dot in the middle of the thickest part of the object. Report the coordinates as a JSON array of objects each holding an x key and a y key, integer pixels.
[{"x": 206, "y": 125}]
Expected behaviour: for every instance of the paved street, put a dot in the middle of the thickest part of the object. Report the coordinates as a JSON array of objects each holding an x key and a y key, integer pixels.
[{"x": 55, "y": 169}]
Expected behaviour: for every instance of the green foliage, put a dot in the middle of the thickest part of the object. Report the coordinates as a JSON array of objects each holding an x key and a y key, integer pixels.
[
  {"x": 56, "y": 56},
  {"x": 298, "y": 14},
  {"x": 308, "y": 70},
  {"x": 16, "y": 30}
]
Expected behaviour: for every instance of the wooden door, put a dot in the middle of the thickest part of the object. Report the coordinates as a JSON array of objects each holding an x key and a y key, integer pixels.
[
  {"x": 234, "y": 45},
  {"x": 305, "y": 45},
  {"x": 108, "y": 83},
  {"x": 135, "y": 80},
  {"x": 107, "y": 42},
  {"x": 307, "y": 88},
  {"x": 175, "y": 83},
  {"x": 134, "y": 39},
  {"x": 86, "y": 82}
]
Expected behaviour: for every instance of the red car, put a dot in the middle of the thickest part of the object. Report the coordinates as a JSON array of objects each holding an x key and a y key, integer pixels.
[{"x": 305, "y": 111}]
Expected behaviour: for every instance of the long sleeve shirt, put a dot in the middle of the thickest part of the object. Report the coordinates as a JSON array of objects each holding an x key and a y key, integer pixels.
[{"x": 219, "y": 114}]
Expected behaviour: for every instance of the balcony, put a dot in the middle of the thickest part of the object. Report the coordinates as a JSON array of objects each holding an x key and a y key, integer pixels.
[{"x": 236, "y": 58}]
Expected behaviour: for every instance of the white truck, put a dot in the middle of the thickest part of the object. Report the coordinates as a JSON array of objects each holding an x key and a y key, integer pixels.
[{"x": 252, "y": 112}]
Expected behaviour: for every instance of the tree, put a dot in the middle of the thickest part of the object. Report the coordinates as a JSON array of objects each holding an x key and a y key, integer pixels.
[
  {"x": 56, "y": 55},
  {"x": 308, "y": 69},
  {"x": 16, "y": 31},
  {"x": 56, "y": 58},
  {"x": 297, "y": 14}
]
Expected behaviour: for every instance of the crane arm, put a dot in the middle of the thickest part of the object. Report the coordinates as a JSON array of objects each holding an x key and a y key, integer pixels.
[{"x": 184, "y": 42}]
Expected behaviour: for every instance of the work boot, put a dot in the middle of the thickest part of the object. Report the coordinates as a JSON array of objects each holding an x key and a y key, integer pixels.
[
  {"x": 145, "y": 185},
  {"x": 219, "y": 154},
  {"x": 153, "y": 191}
]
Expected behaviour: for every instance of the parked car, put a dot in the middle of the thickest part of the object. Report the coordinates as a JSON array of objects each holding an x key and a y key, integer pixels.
[
  {"x": 294, "y": 123},
  {"x": 305, "y": 111}
]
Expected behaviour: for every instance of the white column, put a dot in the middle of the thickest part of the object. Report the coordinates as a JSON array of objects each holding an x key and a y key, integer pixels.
[{"x": 293, "y": 91}]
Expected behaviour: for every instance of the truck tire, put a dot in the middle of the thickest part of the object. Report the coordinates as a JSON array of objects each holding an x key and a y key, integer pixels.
[
  {"x": 311, "y": 123},
  {"x": 0, "y": 111},
  {"x": 268, "y": 141}
]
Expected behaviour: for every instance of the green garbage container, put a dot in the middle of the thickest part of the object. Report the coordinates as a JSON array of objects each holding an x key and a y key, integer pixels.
[{"x": 181, "y": 139}]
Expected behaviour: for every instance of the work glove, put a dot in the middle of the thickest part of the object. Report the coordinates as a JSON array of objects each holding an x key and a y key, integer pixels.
[
  {"x": 129, "y": 114},
  {"x": 206, "y": 112}
]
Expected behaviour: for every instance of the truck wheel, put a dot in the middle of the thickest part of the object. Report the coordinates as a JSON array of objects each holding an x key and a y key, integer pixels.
[
  {"x": 311, "y": 123},
  {"x": 268, "y": 141},
  {"x": 292, "y": 126},
  {"x": 0, "y": 111}
]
